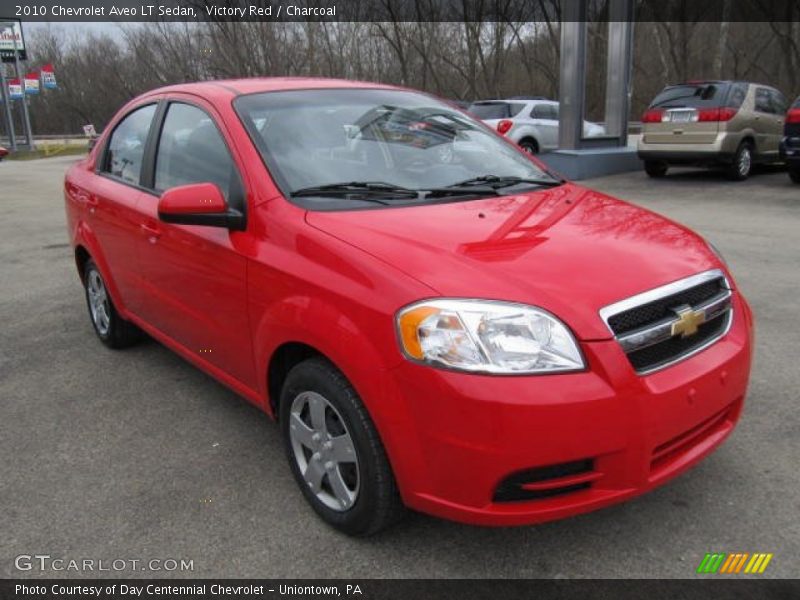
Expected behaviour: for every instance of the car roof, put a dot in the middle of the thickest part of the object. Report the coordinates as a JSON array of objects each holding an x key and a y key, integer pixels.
[
  {"x": 721, "y": 81},
  {"x": 221, "y": 88}
]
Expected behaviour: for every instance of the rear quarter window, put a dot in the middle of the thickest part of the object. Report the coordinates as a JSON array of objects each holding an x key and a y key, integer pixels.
[
  {"x": 764, "y": 102},
  {"x": 545, "y": 111},
  {"x": 737, "y": 94}
]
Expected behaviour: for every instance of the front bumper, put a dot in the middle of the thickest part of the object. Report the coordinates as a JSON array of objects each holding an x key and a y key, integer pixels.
[{"x": 458, "y": 436}]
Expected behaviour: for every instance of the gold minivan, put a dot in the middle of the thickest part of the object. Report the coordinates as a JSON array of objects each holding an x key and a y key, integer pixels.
[{"x": 733, "y": 124}]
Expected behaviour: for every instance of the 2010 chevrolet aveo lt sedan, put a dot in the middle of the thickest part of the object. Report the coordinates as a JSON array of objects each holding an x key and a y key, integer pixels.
[{"x": 435, "y": 319}]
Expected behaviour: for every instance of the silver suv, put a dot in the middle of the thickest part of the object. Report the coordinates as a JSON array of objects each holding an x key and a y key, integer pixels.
[
  {"x": 732, "y": 124},
  {"x": 531, "y": 122}
]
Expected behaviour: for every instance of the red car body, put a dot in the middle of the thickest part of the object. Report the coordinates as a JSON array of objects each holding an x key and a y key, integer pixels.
[{"x": 236, "y": 303}]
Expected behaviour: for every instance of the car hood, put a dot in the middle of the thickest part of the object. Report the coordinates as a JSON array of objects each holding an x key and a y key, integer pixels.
[{"x": 569, "y": 250}]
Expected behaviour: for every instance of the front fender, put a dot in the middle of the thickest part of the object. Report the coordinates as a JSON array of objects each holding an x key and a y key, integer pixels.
[
  {"x": 368, "y": 366},
  {"x": 324, "y": 327}
]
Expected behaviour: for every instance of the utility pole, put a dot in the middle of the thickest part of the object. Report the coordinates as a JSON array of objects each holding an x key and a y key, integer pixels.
[
  {"x": 12, "y": 136},
  {"x": 25, "y": 114}
]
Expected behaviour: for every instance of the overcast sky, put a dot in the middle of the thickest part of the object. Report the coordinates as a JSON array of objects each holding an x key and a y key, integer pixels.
[{"x": 102, "y": 27}]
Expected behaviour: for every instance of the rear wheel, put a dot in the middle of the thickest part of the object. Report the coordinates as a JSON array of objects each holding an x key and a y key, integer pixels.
[
  {"x": 794, "y": 174},
  {"x": 530, "y": 146},
  {"x": 334, "y": 451},
  {"x": 655, "y": 168},
  {"x": 742, "y": 164},
  {"x": 114, "y": 331}
]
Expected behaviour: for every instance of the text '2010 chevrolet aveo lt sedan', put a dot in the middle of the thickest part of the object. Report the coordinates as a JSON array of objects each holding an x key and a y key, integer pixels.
[{"x": 435, "y": 320}]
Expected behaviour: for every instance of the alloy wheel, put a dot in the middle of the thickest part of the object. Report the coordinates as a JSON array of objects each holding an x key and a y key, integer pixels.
[
  {"x": 98, "y": 302},
  {"x": 324, "y": 451},
  {"x": 745, "y": 161}
]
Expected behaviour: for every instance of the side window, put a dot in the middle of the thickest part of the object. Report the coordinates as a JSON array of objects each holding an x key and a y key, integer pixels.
[
  {"x": 192, "y": 150},
  {"x": 763, "y": 101},
  {"x": 126, "y": 146}
]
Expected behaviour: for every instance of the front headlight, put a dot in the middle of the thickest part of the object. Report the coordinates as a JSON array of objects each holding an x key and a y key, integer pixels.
[{"x": 487, "y": 337}]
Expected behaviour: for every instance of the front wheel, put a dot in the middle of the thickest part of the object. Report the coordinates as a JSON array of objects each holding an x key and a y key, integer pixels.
[
  {"x": 794, "y": 174},
  {"x": 740, "y": 168},
  {"x": 334, "y": 451},
  {"x": 114, "y": 331}
]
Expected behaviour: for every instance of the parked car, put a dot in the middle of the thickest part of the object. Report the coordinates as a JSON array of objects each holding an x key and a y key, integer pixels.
[
  {"x": 733, "y": 124},
  {"x": 3, "y": 153},
  {"x": 790, "y": 144},
  {"x": 455, "y": 336},
  {"x": 531, "y": 122},
  {"x": 462, "y": 104}
]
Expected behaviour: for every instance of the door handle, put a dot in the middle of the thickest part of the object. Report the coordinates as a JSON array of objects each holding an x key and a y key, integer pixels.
[{"x": 152, "y": 233}]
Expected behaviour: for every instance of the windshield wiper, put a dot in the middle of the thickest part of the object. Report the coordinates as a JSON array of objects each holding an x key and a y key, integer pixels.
[
  {"x": 358, "y": 190},
  {"x": 499, "y": 181}
]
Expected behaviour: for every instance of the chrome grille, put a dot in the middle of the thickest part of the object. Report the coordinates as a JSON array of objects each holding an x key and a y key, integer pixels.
[{"x": 662, "y": 326}]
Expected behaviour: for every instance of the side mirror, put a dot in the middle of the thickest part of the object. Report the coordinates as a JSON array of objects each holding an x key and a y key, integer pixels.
[{"x": 198, "y": 204}]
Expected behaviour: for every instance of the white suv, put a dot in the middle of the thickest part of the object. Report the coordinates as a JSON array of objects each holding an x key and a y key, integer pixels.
[{"x": 530, "y": 122}]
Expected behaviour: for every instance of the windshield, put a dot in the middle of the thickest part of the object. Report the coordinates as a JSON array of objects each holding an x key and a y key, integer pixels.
[{"x": 317, "y": 138}]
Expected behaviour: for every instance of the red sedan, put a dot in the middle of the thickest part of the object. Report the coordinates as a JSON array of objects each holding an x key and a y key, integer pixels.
[{"x": 435, "y": 320}]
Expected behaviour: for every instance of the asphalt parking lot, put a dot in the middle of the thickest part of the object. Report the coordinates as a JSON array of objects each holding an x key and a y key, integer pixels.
[{"x": 138, "y": 455}]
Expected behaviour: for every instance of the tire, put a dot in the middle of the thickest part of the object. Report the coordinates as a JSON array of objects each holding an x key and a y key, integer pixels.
[
  {"x": 529, "y": 146},
  {"x": 114, "y": 331},
  {"x": 742, "y": 164},
  {"x": 655, "y": 168},
  {"x": 794, "y": 174},
  {"x": 358, "y": 497}
]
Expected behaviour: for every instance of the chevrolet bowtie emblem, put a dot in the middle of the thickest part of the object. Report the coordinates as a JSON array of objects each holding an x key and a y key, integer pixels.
[{"x": 689, "y": 320}]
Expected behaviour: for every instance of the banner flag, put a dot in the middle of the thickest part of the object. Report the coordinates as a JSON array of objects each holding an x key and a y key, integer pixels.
[
  {"x": 15, "y": 89},
  {"x": 49, "y": 78},
  {"x": 32, "y": 83}
]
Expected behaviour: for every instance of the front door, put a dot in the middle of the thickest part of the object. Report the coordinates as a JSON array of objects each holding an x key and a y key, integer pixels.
[{"x": 195, "y": 277}]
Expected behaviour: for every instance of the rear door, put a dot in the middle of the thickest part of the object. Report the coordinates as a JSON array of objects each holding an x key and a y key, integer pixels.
[
  {"x": 110, "y": 204},
  {"x": 195, "y": 276}
]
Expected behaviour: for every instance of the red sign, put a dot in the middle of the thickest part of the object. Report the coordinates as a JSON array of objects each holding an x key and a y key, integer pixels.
[
  {"x": 15, "y": 89},
  {"x": 32, "y": 83},
  {"x": 48, "y": 77}
]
